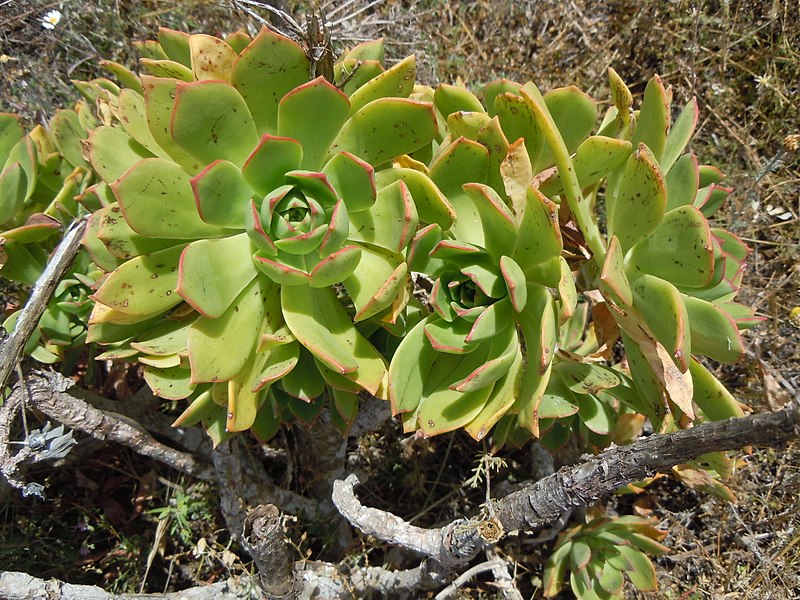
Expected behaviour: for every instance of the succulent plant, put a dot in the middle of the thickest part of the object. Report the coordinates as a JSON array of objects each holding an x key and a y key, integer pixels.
[
  {"x": 600, "y": 554},
  {"x": 529, "y": 183},
  {"x": 43, "y": 172},
  {"x": 238, "y": 205}
]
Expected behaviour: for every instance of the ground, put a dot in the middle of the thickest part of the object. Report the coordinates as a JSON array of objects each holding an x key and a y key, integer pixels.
[{"x": 741, "y": 59}]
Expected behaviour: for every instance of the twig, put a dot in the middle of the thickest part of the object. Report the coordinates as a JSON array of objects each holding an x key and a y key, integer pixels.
[
  {"x": 51, "y": 393},
  {"x": 489, "y": 565},
  {"x": 14, "y": 347},
  {"x": 504, "y": 582}
]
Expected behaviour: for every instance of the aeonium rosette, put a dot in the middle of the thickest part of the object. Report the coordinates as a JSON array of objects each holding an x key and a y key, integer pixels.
[
  {"x": 486, "y": 348},
  {"x": 235, "y": 194}
]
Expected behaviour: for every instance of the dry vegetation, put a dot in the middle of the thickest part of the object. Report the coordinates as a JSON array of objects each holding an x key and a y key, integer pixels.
[{"x": 740, "y": 59}]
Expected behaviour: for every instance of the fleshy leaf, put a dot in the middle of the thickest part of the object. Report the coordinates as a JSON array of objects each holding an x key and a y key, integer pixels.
[
  {"x": 396, "y": 82},
  {"x": 270, "y": 161},
  {"x": 390, "y": 222},
  {"x": 211, "y": 57},
  {"x": 680, "y": 134},
  {"x": 652, "y": 122},
  {"x": 319, "y": 322},
  {"x": 221, "y": 194},
  {"x": 315, "y": 135},
  {"x": 144, "y": 285},
  {"x": 680, "y": 250},
  {"x": 220, "y": 347},
  {"x": 155, "y": 186},
  {"x": 639, "y": 201},
  {"x": 386, "y": 128},
  {"x": 376, "y": 281},
  {"x": 270, "y": 67},
  {"x": 353, "y": 180},
  {"x": 113, "y": 152},
  {"x": 664, "y": 311},
  {"x": 682, "y": 182},
  {"x": 432, "y": 206},
  {"x": 714, "y": 333},
  {"x": 211, "y": 121},
  {"x": 716, "y": 402},
  {"x": 172, "y": 383},
  {"x": 214, "y": 272}
]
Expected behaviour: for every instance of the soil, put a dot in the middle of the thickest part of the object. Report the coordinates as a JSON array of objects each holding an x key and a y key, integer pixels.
[{"x": 740, "y": 59}]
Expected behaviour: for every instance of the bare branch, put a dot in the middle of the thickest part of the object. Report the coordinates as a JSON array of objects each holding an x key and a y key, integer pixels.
[
  {"x": 571, "y": 487},
  {"x": 14, "y": 347},
  {"x": 264, "y": 539},
  {"x": 545, "y": 501},
  {"x": 21, "y": 586},
  {"x": 55, "y": 396}
]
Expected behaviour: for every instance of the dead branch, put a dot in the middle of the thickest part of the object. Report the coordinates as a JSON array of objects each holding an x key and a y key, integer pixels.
[
  {"x": 21, "y": 586},
  {"x": 543, "y": 502},
  {"x": 57, "y": 397},
  {"x": 264, "y": 539},
  {"x": 14, "y": 347}
]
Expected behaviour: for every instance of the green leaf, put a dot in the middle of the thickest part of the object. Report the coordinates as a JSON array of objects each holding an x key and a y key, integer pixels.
[
  {"x": 319, "y": 322},
  {"x": 556, "y": 568},
  {"x": 432, "y": 206},
  {"x": 159, "y": 99},
  {"x": 587, "y": 378},
  {"x": 682, "y": 182},
  {"x": 714, "y": 333},
  {"x": 580, "y": 555},
  {"x": 493, "y": 89},
  {"x": 503, "y": 395},
  {"x": 12, "y": 191},
  {"x": 539, "y": 238},
  {"x": 270, "y": 67},
  {"x": 210, "y": 120},
  {"x": 518, "y": 121},
  {"x": 596, "y": 415},
  {"x": 144, "y": 285},
  {"x": 266, "y": 167},
  {"x": 221, "y": 194},
  {"x": 652, "y": 122},
  {"x": 593, "y": 160},
  {"x": 574, "y": 114},
  {"x": 638, "y": 204},
  {"x": 641, "y": 571},
  {"x": 390, "y": 222},
  {"x": 496, "y": 228},
  {"x": 11, "y": 132},
  {"x": 315, "y": 135},
  {"x": 409, "y": 369},
  {"x": 462, "y": 161},
  {"x": 515, "y": 283},
  {"x": 280, "y": 361},
  {"x": 304, "y": 381},
  {"x": 664, "y": 311},
  {"x": 376, "y": 281},
  {"x": 680, "y": 134},
  {"x": 214, "y": 272},
  {"x": 166, "y": 338},
  {"x": 558, "y": 401},
  {"x": 172, "y": 383},
  {"x": 68, "y": 134},
  {"x": 120, "y": 240},
  {"x": 219, "y": 347},
  {"x": 505, "y": 349},
  {"x": 175, "y": 45},
  {"x": 680, "y": 250},
  {"x": 157, "y": 200},
  {"x": 713, "y": 398},
  {"x": 386, "y": 128},
  {"x": 337, "y": 267},
  {"x": 453, "y": 98},
  {"x": 167, "y": 69},
  {"x": 200, "y": 408},
  {"x": 113, "y": 152},
  {"x": 133, "y": 117},
  {"x": 354, "y": 181},
  {"x": 397, "y": 82}
]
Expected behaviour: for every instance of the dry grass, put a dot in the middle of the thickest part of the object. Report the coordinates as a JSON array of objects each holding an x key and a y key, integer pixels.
[{"x": 741, "y": 59}]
